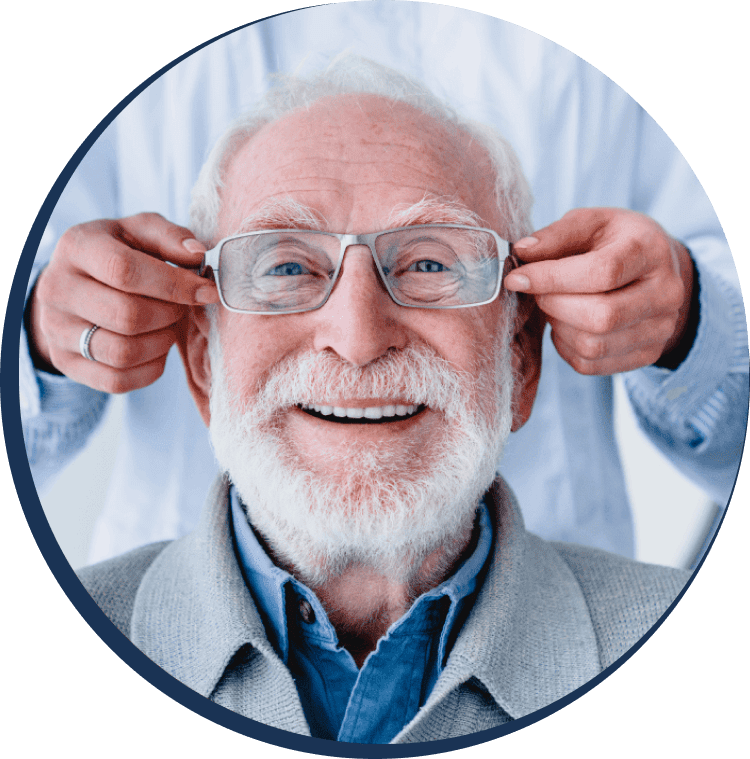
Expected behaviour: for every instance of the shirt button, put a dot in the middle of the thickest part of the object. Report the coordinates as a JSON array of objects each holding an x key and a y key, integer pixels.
[{"x": 306, "y": 611}]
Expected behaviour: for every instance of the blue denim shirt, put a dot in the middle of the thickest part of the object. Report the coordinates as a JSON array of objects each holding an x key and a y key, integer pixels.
[{"x": 342, "y": 702}]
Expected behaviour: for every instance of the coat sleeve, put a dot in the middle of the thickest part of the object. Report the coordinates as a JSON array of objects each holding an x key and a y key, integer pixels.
[
  {"x": 697, "y": 414},
  {"x": 58, "y": 414}
]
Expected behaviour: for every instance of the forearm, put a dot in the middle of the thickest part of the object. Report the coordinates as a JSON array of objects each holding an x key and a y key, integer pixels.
[
  {"x": 697, "y": 413},
  {"x": 68, "y": 413},
  {"x": 683, "y": 336},
  {"x": 58, "y": 414}
]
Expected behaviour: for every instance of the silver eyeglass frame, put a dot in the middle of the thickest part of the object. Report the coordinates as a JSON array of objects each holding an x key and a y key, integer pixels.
[{"x": 211, "y": 261}]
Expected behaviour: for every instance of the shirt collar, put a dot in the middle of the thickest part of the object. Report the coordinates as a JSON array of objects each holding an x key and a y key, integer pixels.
[{"x": 268, "y": 584}]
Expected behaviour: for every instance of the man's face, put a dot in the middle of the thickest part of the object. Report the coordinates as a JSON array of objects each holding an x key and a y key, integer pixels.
[
  {"x": 323, "y": 491},
  {"x": 353, "y": 160}
]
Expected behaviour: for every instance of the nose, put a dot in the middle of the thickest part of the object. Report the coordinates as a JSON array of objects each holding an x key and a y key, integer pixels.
[{"x": 359, "y": 322}]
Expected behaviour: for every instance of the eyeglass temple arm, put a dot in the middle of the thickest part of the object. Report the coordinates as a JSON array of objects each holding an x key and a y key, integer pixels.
[{"x": 511, "y": 262}]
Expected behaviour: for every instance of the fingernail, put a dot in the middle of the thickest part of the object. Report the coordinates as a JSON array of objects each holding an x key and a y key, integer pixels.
[
  {"x": 206, "y": 294},
  {"x": 518, "y": 282},
  {"x": 193, "y": 246},
  {"x": 526, "y": 242}
]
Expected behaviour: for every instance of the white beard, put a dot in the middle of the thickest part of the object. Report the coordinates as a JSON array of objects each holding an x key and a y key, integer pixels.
[{"x": 370, "y": 507}]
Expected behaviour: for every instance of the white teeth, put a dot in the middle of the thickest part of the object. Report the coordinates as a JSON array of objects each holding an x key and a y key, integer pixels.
[{"x": 371, "y": 412}]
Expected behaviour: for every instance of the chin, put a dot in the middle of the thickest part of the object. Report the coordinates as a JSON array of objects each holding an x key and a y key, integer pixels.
[{"x": 363, "y": 513}]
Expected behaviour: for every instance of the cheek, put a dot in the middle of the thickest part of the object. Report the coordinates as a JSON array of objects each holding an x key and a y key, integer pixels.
[
  {"x": 466, "y": 338},
  {"x": 252, "y": 345}
]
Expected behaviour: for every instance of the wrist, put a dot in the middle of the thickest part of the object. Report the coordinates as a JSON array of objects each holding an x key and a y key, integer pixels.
[
  {"x": 39, "y": 355},
  {"x": 678, "y": 347}
]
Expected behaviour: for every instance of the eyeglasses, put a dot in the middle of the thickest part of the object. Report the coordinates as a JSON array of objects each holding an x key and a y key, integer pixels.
[{"x": 287, "y": 271}]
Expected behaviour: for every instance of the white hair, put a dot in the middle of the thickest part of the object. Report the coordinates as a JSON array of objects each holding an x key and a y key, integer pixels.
[{"x": 348, "y": 74}]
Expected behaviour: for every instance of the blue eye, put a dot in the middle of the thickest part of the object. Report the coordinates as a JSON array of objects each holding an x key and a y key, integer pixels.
[
  {"x": 427, "y": 267},
  {"x": 287, "y": 270}
]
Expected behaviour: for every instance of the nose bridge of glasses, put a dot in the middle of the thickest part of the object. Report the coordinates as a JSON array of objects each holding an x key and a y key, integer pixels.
[
  {"x": 356, "y": 240},
  {"x": 347, "y": 241},
  {"x": 366, "y": 240}
]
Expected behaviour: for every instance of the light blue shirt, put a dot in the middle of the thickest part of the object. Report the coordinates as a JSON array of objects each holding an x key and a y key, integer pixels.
[
  {"x": 581, "y": 140},
  {"x": 340, "y": 701}
]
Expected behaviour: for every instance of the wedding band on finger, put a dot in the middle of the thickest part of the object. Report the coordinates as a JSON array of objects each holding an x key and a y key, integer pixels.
[{"x": 85, "y": 341}]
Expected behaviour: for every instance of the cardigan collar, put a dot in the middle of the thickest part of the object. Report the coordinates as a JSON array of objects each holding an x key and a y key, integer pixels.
[{"x": 528, "y": 640}]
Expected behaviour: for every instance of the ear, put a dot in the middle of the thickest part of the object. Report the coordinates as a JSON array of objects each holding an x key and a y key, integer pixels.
[
  {"x": 526, "y": 352},
  {"x": 192, "y": 342}
]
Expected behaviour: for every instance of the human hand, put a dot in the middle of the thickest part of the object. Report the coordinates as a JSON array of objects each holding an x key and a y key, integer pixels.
[
  {"x": 615, "y": 287},
  {"x": 112, "y": 273}
]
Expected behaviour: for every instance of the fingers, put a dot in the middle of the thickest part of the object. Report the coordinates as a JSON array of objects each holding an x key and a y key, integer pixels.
[
  {"x": 614, "y": 332},
  {"x": 121, "y": 363},
  {"x": 590, "y": 250},
  {"x": 609, "y": 268},
  {"x": 615, "y": 287},
  {"x": 120, "y": 312},
  {"x": 133, "y": 332},
  {"x": 621, "y": 351},
  {"x": 130, "y": 255},
  {"x": 124, "y": 276},
  {"x": 121, "y": 351},
  {"x": 112, "y": 380},
  {"x": 600, "y": 313}
]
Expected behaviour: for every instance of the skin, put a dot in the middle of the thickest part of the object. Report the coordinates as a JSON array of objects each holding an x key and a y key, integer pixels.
[
  {"x": 113, "y": 273},
  {"x": 614, "y": 286},
  {"x": 352, "y": 160}
]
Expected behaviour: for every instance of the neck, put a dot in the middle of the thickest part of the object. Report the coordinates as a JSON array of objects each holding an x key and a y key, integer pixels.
[{"x": 362, "y": 602}]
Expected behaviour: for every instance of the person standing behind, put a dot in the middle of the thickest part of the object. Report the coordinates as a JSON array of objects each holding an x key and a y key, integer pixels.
[{"x": 605, "y": 152}]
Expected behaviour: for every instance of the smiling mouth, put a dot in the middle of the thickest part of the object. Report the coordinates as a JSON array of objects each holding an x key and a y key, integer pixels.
[{"x": 369, "y": 415}]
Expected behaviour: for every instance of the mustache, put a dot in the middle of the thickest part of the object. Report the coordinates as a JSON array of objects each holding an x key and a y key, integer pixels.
[{"x": 416, "y": 374}]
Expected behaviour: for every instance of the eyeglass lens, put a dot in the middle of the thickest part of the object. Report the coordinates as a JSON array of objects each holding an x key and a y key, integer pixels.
[{"x": 279, "y": 271}]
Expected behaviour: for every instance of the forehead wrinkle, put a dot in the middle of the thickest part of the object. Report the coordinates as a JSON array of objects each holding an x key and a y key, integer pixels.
[
  {"x": 443, "y": 153},
  {"x": 346, "y": 151},
  {"x": 428, "y": 174}
]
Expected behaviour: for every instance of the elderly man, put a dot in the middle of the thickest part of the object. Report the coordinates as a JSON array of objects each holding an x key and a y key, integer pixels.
[{"x": 359, "y": 574}]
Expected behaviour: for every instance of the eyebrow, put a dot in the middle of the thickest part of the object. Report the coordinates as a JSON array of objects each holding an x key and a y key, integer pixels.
[
  {"x": 286, "y": 213},
  {"x": 283, "y": 213},
  {"x": 434, "y": 209}
]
